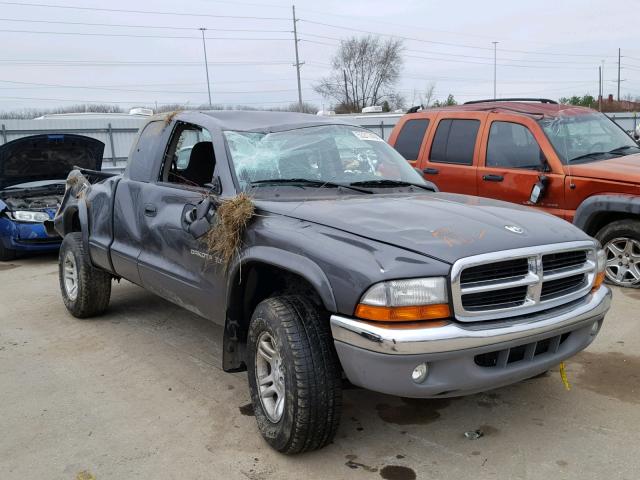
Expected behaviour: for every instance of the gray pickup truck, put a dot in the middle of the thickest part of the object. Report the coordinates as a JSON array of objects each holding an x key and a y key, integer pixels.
[{"x": 350, "y": 266}]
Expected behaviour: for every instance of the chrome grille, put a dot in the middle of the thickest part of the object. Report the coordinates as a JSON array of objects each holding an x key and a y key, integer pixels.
[{"x": 518, "y": 282}]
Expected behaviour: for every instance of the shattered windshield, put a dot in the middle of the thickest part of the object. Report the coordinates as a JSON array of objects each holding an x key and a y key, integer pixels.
[
  {"x": 335, "y": 154},
  {"x": 587, "y": 138}
]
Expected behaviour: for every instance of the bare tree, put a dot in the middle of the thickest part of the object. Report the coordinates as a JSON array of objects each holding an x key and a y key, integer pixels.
[
  {"x": 427, "y": 97},
  {"x": 365, "y": 70}
]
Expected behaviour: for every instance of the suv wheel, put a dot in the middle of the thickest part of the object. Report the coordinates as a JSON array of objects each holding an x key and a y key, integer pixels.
[
  {"x": 621, "y": 242},
  {"x": 294, "y": 374},
  {"x": 85, "y": 289}
]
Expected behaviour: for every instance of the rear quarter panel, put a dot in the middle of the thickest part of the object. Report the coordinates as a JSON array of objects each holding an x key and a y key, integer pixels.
[{"x": 99, "y": 204}]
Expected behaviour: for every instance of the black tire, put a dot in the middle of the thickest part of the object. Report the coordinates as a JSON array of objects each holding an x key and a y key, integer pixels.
[
  {"x": 93, "y": 286},
  {"x": 311, "y": 372},
  {"x": 622, "y": 230},
  {"x": 6, "y": 254}
]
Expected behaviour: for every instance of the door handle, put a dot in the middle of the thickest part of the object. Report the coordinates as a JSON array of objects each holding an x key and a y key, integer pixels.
[
  {"x": 430, "y": 171},
  {"x": 150, "y": 210},
  {"x": 492, "y": 178}
]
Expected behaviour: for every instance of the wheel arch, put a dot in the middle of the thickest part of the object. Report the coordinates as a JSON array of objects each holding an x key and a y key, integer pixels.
[
  {"x": 261, "y": 273},
  {"x": 597, "y": 211}
]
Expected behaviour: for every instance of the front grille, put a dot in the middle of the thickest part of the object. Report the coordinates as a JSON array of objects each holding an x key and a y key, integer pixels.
[
  {"x": 495, "y": 271},
  {"x": 558, "y": 261},
  {"x": 555, "y": 288},
  {"x": 527, "y": 352},
  {"x": 507, "y": 298},
  {"x": 522, "y": 281}
]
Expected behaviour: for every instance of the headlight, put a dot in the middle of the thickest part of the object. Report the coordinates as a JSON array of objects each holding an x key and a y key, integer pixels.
[
  {"x": 33, "y": 217},
  {"x": 601, "y": 264},
  {"x": 405, "y": 300}
]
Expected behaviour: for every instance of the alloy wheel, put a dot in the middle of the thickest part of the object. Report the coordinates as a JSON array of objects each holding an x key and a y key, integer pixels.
[
  {"x": 70, "y": 275},
  {"x": 270, "y": 377},
  {"x": 623, "y": 261}
]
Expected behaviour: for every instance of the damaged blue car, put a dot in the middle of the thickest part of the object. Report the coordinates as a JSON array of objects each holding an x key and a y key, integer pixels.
[{"x": 32, "y": 183}]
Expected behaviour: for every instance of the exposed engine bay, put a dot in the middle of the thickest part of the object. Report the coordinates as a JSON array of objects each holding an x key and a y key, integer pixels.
[{"x": 33, "y": 198}]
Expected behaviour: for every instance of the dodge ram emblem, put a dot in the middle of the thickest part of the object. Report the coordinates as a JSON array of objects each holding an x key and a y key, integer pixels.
[{"x": 514, "y": 229}]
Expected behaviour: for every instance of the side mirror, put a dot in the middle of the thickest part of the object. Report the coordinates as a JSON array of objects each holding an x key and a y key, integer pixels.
[{"x": 536, "y": 192}]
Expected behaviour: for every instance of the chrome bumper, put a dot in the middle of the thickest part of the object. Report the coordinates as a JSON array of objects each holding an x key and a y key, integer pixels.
[{"x": 457, "y": 336}]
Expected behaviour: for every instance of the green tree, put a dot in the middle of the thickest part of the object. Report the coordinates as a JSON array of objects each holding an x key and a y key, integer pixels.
[{"x": 446, "y": 103}]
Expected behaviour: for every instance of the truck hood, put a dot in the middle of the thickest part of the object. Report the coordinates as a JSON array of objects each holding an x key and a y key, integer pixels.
[
  {"x": 47, "y": 157},
  {"x": 621, "y": 169},
  {"x": 443, "y": 226}
]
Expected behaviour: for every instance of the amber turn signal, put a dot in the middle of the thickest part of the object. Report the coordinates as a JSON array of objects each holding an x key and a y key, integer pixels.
[
  {"x": 599, "y": 280},
  {"x": 403, "y": 314}
]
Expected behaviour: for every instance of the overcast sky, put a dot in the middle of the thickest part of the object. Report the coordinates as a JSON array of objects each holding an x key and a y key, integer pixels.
[{"x": 547, "y": 48}]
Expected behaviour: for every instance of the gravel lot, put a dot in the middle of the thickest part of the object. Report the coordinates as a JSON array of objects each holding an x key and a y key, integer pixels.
[{"x": 139, "y": 393}]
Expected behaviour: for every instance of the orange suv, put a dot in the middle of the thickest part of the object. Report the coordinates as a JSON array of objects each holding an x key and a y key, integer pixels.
[{"x": 570, "y": 161}]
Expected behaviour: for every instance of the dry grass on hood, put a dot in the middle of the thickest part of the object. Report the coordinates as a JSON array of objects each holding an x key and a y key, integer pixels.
[{"x": 224, "y": 239}]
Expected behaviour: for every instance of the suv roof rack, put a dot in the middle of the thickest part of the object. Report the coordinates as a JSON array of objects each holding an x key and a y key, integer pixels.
[
  {"x": 414, "y": 109},
  {"x": 539, "y": 100}
]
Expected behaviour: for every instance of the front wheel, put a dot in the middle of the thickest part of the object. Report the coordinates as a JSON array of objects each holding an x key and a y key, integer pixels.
[
  {"x": 294, "y": 374},
  {"x": 621, "y": 242}
]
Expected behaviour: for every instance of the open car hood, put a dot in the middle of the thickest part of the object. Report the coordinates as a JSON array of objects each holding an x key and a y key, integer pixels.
[{"x": 47, "y": 157}]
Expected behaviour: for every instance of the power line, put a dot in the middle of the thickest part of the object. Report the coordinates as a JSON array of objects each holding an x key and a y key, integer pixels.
[
  {"x": 76, "y": 63},
  {"x": 137, "y": 102},
  {"x": 159, "y": 27},
  {"x": 562, "y": 62},
  {"x": 512, "y": 65},
  {"x": 144, "y": 12},
  {"x": 449, "y": 44},
  {"x": 131, "y": 35}
]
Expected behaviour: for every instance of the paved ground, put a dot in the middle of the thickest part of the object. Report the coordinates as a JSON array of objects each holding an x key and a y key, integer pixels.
[{"x": 138, "y": 393}]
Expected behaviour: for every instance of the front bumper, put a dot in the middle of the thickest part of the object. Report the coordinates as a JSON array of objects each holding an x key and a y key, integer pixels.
[
  {"x": 26, "y": 237},
  {"x": 465, "y": 358}
]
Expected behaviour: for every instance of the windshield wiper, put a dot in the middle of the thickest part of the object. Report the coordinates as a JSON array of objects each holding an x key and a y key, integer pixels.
[
  {"x": 586, "y": 155},
  {"x": 623, "y": 148},
  {"x": 615, "y": 151},
  {"x": 306, "y": 182},
  {"x": 389, "y": 183}
]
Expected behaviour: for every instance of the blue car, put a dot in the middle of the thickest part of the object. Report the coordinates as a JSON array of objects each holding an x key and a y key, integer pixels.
[{"x": 32, "y": 183}]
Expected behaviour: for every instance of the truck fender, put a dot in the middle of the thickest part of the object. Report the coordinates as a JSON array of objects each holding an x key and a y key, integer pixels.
[
  {"x": 64, "y": 223},
  {"x": 588, "y": 210},
  {"x": 233, "y": 343}
]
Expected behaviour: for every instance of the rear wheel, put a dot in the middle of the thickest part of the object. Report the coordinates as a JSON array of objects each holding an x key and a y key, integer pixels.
[
  {"x": 85, "y": 289},
  {"x": 6, "y": 254},
  {"x": 621, "y": 242},
  {"x": 294, "y": 374}
]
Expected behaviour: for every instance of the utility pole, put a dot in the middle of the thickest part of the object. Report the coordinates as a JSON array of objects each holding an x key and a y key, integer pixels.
[
  {"x": 495, "y": 57},
  {"x": 206, "y": 64},
  {"x": 297, "y": 64},
  {"x": 618, "y": 74},
  {"x": 600, "y": 89}
]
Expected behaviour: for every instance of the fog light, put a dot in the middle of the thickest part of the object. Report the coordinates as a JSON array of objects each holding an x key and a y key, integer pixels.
[{"x": 420, "y": 373}]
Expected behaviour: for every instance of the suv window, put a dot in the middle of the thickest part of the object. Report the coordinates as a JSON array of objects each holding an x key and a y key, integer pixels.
[
  {"x": 455, "y": 141},
  {"x": 410, "y": 138},
  {"x": 512, "y": 145}
]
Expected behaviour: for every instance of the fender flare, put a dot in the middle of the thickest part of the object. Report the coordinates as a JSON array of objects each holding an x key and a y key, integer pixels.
[
  {"x": 233, "y": 347},
  {"x": 286, "y": 260},
  {"x": 588, "y": 210},
  {"x": 63, "y": 224}
]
